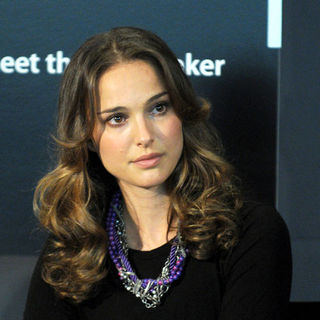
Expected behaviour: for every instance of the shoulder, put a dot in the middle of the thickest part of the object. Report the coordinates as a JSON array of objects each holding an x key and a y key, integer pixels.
[
  {"x": 264, "y": 240},
  {"x": 256, "y": 273},
  {"x": 42, "y": 301},
  {"x": 261, "y": 220}
]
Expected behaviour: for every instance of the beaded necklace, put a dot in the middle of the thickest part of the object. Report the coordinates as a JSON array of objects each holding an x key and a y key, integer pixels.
[{"x": 150, "y": 291}]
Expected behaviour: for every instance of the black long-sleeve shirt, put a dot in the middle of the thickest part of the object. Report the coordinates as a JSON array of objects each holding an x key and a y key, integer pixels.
[{"x": 252, "y": 282}]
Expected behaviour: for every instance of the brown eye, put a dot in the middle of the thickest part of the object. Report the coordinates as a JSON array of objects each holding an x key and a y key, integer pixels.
[
  {"x": 116, "y": 119},
  {"x": 159, "y": 108}
]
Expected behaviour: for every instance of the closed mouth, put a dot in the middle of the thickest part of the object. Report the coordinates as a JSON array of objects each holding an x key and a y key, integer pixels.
[
  {"x": 148, "y": 161},
  {"x": 148, "y": 157}
]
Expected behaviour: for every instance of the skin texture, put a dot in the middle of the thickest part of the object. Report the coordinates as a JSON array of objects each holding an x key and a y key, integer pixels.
[{"x": 136, "y": 119}]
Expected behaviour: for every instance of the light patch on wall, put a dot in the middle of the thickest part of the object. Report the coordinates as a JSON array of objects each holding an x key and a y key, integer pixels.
[{"x": 274, "y": 28}]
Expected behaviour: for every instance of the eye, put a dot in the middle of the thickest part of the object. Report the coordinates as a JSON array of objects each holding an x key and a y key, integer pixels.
[
  {"x": 116, "y": 120},
  {"x": 160, "y": 108}
]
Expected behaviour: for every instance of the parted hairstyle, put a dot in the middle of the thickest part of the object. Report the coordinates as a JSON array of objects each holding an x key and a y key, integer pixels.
[{"x": 71, "y": 201}]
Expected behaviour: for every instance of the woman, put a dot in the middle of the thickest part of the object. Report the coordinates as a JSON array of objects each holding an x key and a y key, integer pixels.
[{"x": 144, "y": 216}]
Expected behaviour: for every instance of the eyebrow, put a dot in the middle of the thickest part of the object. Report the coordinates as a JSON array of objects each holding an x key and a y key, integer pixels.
[{"x": 121, "y": 108}]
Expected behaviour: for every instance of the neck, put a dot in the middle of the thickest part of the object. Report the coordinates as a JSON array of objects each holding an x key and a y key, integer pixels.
[{"x": 146, "y": 217}]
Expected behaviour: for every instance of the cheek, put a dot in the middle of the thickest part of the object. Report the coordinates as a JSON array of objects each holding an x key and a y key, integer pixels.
[
  {"x": 174, "y": 131},
  {"x": 111, "y": 149}
]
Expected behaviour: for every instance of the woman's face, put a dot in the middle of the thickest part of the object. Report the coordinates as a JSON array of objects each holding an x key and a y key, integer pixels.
[{"x": 138, "y": 135}]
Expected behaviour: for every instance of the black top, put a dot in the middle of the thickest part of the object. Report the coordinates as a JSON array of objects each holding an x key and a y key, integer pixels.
[{"x": 251, "y": 282}]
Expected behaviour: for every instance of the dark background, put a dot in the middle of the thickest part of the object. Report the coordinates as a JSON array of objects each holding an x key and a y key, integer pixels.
[
  {"x": 265, "y": 105},
  {"x": 298, "y": 144}
]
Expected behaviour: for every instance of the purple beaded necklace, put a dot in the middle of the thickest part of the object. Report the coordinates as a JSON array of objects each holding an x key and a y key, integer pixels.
[{"x": 149, "y": 291}]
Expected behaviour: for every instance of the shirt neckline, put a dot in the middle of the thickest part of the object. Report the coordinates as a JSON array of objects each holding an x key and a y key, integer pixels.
[{"x": 151, "y": 254}]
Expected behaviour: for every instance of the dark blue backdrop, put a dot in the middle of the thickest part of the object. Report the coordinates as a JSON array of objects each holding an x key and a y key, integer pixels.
[{"x": 298, "y": 154}]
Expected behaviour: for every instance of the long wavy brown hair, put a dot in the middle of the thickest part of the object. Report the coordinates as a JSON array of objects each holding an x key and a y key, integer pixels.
[{"x": 71, "y": 201}]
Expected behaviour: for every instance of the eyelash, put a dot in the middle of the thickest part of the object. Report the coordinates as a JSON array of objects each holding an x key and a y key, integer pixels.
[
  {"x": 124, "y": 117},
  {"x": 111, "y": 119},
  {"x": 164, "y": 104}
]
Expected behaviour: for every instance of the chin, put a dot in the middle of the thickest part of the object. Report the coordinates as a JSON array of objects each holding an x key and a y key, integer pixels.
[
  {"x": 143, "y": 181},
  {"x": 151, "y": 184}
]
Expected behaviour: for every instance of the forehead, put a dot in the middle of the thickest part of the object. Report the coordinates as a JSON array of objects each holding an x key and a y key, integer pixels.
[{"x": 129, "y": 79}]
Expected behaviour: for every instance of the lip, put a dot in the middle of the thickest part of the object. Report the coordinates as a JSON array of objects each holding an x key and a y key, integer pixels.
[{"x": 148, "y": 160}]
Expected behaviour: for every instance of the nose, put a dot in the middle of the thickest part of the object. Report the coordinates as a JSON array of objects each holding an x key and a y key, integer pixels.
[{"x": 143, "y": 132}]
